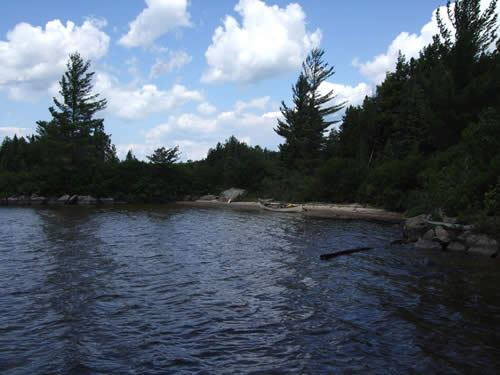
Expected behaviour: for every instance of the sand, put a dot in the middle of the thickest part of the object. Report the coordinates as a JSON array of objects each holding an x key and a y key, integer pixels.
[{"x": 347, "y": 211}]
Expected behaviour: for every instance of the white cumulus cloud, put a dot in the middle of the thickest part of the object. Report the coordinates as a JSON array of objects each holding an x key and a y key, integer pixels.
[
  {"x": 33, "y": 58},
  {"x": 138, "y": 102},
  {"x": 158, "y": 18},
  {"x": 347, "y": 94},
  {"x": 175, "y": 61},
  {"x": 409, "y": 44},
  {"x": 271, "y": 40},
  {"x": 10, "y": 131},
  {"x": 249, "y": 121},
  {"x": 206, "y": 109}
]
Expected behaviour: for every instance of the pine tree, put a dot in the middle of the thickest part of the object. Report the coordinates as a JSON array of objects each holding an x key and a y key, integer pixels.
[
  {"x": 305, "y": 124},
  {"x": 474, "y": 33},
  {"x": 75, "y": 143}
]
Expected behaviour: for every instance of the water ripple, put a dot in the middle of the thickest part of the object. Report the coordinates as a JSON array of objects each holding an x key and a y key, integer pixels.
[{"x": 143, "y": 290}]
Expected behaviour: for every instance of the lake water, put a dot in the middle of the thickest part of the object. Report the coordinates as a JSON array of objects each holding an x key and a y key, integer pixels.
[{"x": 144, "y": 290}]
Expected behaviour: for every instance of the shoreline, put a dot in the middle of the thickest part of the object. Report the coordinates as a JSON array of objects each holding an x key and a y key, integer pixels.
[{"x": 321, "y": 210}]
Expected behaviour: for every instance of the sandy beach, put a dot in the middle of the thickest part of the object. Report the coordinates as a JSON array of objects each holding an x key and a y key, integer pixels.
[{"x": 337, "y": 211}]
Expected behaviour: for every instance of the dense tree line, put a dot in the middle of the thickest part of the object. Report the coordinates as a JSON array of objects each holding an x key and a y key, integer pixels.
[{"x": 429, "y": 137}]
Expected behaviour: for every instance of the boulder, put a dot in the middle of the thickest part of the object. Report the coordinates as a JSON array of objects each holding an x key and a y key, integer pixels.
[
  {"x": 427, "y": 244},
  {"x": 429, "y": 235},
  {"x": 230, "y": 195},
  {"x": 416, "y": 226},
  {"x": 481, "y": 244},
  {"x": 18, "y": 201},
  {"x": 64, "y": 199},
  {"x": 208, "y": 197},
  {"x": 86, "y": 200},
  {"x": 106, "y": 200},
  {"x": 456, "y": 246},
  {"x": 73, "y": 199},
  {"x": 442, "y": 235},
  {"x": 36, "y": 200}
]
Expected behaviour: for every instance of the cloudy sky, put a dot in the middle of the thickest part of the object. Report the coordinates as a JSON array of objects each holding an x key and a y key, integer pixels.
[{"x": 194, "y": 72}]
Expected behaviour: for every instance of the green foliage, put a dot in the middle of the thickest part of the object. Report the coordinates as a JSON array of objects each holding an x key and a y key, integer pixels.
[
  {"x": 492, "y": 199},
  {"x": 164, "y": 156},
  {"x": 305, "y": 123},
  {"x": 390, "y": 184},
  {"x": 339, "y": 179}
]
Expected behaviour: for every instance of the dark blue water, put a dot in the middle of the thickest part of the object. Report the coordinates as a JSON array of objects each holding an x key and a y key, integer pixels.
[{"x": 147, "y": 290}]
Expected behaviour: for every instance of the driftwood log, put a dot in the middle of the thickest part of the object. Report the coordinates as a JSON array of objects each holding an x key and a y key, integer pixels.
[{"x": 343, "y": 252}]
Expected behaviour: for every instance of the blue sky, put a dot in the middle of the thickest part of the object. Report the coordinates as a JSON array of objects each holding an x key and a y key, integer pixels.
[{"x": 192, "y": 73}]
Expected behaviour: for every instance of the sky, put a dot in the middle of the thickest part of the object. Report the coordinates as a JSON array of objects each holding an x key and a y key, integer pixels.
[{"x": 194, "y": 72}]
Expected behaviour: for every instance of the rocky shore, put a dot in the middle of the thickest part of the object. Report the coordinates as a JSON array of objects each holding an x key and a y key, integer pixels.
[
  {"x": 67, "y": 199},
  {"x": 447, "y": 235},
  {"x": 444, "y": 235}
]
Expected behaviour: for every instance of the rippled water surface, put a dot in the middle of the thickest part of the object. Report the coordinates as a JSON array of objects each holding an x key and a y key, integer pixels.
[{"x": 142, "y": 290}]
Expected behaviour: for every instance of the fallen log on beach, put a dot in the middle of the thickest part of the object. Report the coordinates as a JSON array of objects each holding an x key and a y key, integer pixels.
[{"x": 343, "y": 252}]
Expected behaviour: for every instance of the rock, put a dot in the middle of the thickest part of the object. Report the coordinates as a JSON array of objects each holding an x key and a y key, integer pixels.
[
  {"x": 37, "y": 200},
  {"x": 208, "y": 197},
  {"x": 442, "y": 235},
  {"x": 427, "y": 244},
  {"x": 450, "y": 220},
  {"x": 86, "y": 200},
  {"x": 18, "y": 201},
  {"x": 63, "y": 199},
  {"x": 416, "y": 226},
  {"x": 429, "y": 235},
  {"x": 456, "y": 246},
  {"x": 231, "y": 194},
  {"x": 481, "y": 244},
  {"x": 106, "y": 200},
  {"x": 73, "y": 199}
]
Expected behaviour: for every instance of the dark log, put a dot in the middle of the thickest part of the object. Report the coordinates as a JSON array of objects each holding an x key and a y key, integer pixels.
[{"x": 344, "y": 252}]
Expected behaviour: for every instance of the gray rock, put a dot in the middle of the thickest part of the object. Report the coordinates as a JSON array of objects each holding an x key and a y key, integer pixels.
[
  {"x": 208, "y": 197},
  {"x": 231, "y": 194},
  {"x": 63, "y": 199},
  {"x": 427, "y": 244},
  {"x": 73, "y": 199},
  {"x": 18, "y": 201},
  {"x": 456, "y": 246},
  {"x": 442, "y": 235},
  {"x": 482, "y": 244},
  {"x": 450, "y": 220},
  {"x": 36, "y": 200},
  {"x": 416, "y": 226},
  {"x": 429, "y": 235},
  {"x": 106, "y": 200},
  {"x": 86, "y": 200}
]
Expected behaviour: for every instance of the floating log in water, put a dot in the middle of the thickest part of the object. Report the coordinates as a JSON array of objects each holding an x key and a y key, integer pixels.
[{"x": 343, "y": 252}]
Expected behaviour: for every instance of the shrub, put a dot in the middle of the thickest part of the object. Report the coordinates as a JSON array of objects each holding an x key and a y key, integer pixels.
[{"x": 339, "y": 179}]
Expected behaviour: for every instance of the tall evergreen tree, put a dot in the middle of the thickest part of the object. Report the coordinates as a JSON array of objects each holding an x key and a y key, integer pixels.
[
  {"x": 474, "y": 33},
  {"x": 75, "y": 141},
  {"x": 304, "y": 125}
]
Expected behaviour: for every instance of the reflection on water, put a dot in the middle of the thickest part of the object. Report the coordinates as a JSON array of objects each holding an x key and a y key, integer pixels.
[{"x": 142, "y": 290}]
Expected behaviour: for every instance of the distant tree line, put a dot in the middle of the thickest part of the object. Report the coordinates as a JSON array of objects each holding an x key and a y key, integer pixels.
[{"x": 429, "y": 137}]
